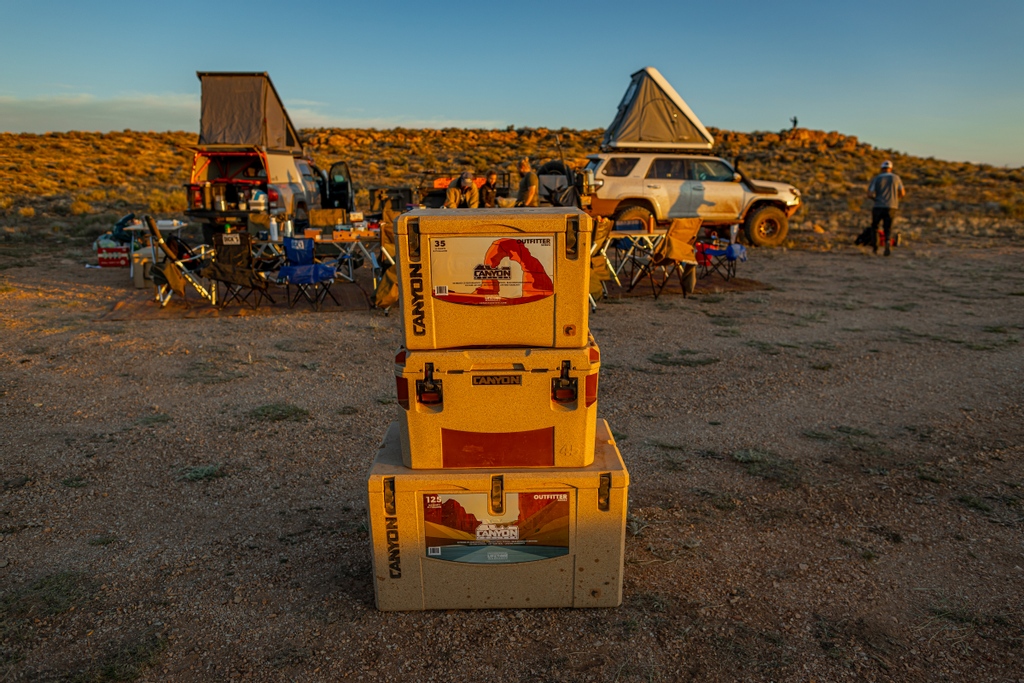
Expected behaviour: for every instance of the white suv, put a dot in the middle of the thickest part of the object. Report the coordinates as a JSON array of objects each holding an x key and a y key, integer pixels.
[{"x": 638, "y": 185}]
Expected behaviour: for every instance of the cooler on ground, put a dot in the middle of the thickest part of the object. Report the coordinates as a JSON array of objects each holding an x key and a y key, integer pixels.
[
  {"x": 498, "y": 538},
  {"x": 504, "y": 407},
  {"x": 494, "y": 277}
]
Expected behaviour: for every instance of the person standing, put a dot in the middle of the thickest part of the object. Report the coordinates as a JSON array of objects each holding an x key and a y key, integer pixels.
[
  {"x": 886, "y": 189},
  {"x": 489, "y": 191},
  {"x": 529, "y": 186},
  {"x": 462, "y": 193}
]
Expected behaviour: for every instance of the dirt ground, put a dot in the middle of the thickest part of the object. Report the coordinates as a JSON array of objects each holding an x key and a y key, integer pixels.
[{"x": 827, "y": 484}]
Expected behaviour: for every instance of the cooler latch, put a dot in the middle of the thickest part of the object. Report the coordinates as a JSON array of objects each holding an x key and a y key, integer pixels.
[
  {"x": 428, "y": 390},
  {"x": 564, "y": 388},
  {"x": 498, "y": 495}
]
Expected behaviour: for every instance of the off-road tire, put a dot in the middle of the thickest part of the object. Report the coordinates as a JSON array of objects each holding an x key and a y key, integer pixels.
[
  {"x": 634, "y": 212},
  {"x": 766, "y": 227}
]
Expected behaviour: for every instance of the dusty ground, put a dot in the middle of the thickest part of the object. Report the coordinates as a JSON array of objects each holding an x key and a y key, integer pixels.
[{"x": 827, "y": 484}]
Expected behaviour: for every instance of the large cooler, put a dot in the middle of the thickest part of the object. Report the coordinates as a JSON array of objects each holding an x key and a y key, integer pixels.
[
  {"x": 503, "y": 407},
  {"x": 494, "y": 277},
  {"x": 512, "y": 538}
]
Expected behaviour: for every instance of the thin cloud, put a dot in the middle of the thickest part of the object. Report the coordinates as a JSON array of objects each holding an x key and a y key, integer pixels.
[
  {"x": 305, "y": 117},
  {"x": 86, "y": 112},
  {"x": 178, "y": 112}
]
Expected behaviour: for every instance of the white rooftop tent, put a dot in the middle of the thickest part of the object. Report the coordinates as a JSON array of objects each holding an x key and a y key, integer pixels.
[{"x": 652, "y": 115}]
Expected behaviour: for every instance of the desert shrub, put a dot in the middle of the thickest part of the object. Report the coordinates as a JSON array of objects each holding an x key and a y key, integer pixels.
[
  {"x": 5, "y": 203},
  {"x": 80, "y": 208},
  {"x": 27, "y": 212},
  {"x": 167, "y": 202}
]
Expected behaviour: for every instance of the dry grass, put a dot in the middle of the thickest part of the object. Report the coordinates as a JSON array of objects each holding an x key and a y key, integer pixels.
[{"x": 73, "y": 186}]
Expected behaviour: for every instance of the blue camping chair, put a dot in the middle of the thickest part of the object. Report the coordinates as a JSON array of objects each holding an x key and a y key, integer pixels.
[
  {"x": 719, "y": 256},
  {"x": 312, "y": 280}
]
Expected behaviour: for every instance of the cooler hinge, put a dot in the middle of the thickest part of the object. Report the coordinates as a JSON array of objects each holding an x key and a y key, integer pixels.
[
  {"x": 389, "y": 495},
  {"x": 604, "y": 492}
]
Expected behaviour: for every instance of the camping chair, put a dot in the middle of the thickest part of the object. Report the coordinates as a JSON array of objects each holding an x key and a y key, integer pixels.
[
  {"x": 719, "y": 256},
  {"x": 181, "y": 266},
  {"x": 673, "y": 255},
  {"x": 600, "y": 272},
  {"x": 235, "y": 266},
  {"x": 386, "y": 292},
  {"x": 312, "y": 280}
]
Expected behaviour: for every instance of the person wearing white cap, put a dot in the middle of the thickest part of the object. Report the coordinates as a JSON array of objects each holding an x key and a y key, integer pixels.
[{"x": 886, "y": 189}]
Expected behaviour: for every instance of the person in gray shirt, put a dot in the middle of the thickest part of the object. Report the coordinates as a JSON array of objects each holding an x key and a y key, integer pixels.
[{"x": 886, "y": 189}]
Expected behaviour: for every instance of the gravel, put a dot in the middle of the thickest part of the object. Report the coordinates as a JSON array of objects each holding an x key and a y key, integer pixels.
[{"x": 838, "y": 495}]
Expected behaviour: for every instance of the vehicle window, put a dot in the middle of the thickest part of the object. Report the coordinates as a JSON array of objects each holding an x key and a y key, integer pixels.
[
  {"x": 338, "y": 174},
  {"x": 669, "y": 169},
  {"x": 592, "y": 165},
  {"x": 618, "y": 167},
  {"x": 307, "y": 174},
  {"x": 711, "y": 169}
]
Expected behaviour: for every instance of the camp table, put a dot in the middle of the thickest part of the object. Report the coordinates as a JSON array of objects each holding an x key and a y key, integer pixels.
[
  {"x": 640, "y": 242},
  {"x": 139, "y": 230}
]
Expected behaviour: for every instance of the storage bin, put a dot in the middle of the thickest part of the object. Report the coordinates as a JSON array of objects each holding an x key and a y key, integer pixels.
[{"x": 501, "y": 538}]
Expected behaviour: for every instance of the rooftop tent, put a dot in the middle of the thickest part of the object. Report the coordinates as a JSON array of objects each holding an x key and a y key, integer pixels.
[
  {"x": 652, "y": 115},
  {"x": 244, "y": 109}
]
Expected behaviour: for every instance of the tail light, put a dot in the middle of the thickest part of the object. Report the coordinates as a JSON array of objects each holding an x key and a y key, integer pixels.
[
  {"x": 197, "y": 198},
  {"x": 402, "y": 391},
  {"x": 400, "y": 357},
  {"x": 428, "y": 390},
  {"x": 564, "y": 387},
  {"x": 590, "y": 390},
  {"x": 595, "y": 354},
  {"x": 272, "y": 197}
]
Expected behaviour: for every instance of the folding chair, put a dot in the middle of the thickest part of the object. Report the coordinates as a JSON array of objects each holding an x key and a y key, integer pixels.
[
  {"x": 600, "y": 271},
  {"x": 718, "y": 256},
  {"x": 673, "y": 255},
  {"x": 181, "y": 266},
  {"x": 312, "y": 280},
  {"x": 235, "y": 267}
]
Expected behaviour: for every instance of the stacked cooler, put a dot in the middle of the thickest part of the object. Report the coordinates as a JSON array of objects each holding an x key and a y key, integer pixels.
[{"x": 498, "y": 476}]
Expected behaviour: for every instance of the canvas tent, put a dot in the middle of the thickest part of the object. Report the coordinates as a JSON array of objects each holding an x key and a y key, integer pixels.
[
  {"x": 244, "y": 109},
  {"x": 652, "y": 115}
]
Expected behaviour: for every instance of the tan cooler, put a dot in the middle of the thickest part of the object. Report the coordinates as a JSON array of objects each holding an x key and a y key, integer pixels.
[
  {"x": 494, "y": 277},
  {"x": 485, "y": 408},
  {"x": 511, "y": 538}
]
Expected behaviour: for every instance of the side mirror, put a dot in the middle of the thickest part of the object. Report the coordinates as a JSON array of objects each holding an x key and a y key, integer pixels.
[{"x": 736, "y": 177}]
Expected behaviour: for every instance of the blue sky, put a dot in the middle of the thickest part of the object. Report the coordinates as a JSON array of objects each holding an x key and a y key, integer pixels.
[{"x": 939, "y": 78}]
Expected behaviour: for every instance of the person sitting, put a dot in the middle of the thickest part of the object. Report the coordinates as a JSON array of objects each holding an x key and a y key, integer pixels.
[
  {"x": 462, "y": 193},
  {"x": 489, "y": 191}
]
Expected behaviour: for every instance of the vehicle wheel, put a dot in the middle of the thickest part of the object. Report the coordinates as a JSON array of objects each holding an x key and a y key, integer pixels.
[
  {"x": 634, "y": 212},
  {"x": 689, "y": 279},
  {"x": 300, "y": 213},
  {"x": 766, "y": 227},
  {"x": 553, "y": 168}
]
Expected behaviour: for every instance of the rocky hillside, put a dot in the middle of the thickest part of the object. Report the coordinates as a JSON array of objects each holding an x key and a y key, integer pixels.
[{"x": 75, "y": 184}]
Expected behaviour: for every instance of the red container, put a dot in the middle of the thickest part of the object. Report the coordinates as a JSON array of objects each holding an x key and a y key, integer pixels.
[{"x": 112, "y": 257}]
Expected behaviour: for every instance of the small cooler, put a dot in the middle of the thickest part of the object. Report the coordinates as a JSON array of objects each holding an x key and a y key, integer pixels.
[
  {"x": 494, "y": 277},
  {"x": 498, "y": 407}
]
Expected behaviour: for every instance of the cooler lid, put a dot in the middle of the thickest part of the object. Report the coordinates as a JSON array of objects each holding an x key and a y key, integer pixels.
[{"x": 492, "y": 221}]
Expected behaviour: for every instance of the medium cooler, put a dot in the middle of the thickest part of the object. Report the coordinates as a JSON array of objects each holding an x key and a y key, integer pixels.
[
  {"x": 504, "y": 407},
  {"x": 501, "y": 538},
  {"x": 494, "y": 277}
]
